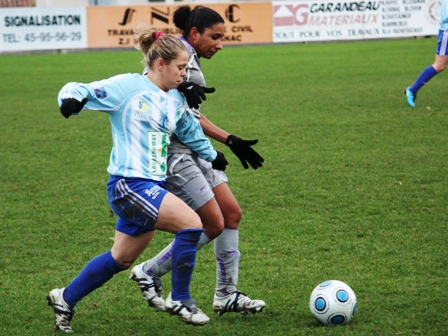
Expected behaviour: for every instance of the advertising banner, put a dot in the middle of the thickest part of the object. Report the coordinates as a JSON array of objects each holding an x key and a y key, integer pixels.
[
  {"x": 42, "y": 28},
  {"x": 300, "y": 21},
  {"x": 114, "y": 26}
]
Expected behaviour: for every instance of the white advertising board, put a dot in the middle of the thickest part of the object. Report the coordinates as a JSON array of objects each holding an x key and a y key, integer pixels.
[
  {"x": 326, "y": 20},
  {"x": 42, "y": 28}
]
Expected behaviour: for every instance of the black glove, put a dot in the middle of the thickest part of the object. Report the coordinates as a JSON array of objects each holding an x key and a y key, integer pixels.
[
  {"x": 220, "y": 162},
  {"x": 71, "y": 105},
  {"x": 243, "y": 150},
  {"x": 194, "y": 93}
]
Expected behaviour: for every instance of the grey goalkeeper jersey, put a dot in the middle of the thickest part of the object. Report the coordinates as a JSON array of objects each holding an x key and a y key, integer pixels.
[{"x": 194, "y": 74}]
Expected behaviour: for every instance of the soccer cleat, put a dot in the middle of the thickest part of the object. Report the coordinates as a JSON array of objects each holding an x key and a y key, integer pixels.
[
  {"x": 187, "y": 310},
  {"x": 150, "y": 287},
  {"x": 62, "y": 311},
  {"x": 237, "y": 302},
  {"x": 410, "y": 96}
]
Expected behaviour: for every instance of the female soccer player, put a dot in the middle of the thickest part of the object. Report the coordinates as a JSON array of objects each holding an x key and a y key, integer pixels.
[
  {"x": 204, "y": 189},
  {"x": 144, "y": 112},
  {"x": 440, "y": 62}
]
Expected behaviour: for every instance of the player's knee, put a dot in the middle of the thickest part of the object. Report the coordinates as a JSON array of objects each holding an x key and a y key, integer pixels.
[
  {"x": 440, "y": 65},
  {"x": 124, "y": 260},
  {"x": 214, "y": 231},
  {"x": 126, "y": 264},
  {"x": 195, "y": 222},
  {"x": 233, "y": 217},
  {"x": 213, "y": 226}
]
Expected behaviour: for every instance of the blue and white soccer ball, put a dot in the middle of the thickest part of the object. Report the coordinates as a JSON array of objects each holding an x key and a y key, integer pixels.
[{"x": 333, "y": 302}]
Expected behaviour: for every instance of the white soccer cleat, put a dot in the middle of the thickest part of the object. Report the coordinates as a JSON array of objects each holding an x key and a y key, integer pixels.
[
  {"x": 237, "y": 302},
  {"x": 63, "y": 313},
  {"x": 150, "y": 287},
  {"x": 187, "y": 310}
]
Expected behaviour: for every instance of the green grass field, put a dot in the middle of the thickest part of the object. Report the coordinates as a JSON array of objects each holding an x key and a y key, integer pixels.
[{"x": 354, "y": 188}]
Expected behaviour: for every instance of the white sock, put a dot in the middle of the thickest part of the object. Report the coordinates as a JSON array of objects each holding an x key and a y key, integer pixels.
[{"x": 227, "y": 262}]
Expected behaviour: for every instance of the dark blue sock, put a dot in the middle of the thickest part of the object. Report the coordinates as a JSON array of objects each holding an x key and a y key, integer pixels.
[
  {"x": 184, "y": 257},
  {"x": 96, "y": 273},
  {"x": 424, "y": 77}
]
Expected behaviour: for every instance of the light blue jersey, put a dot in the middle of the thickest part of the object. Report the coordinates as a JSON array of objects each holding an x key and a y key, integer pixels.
[
  {"x": 444, "y": 16},
  {"x": 143, "y": 118}
]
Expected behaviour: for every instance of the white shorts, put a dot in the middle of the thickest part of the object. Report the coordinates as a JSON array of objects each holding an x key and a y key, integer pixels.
[{"x": 192, "y": 179}]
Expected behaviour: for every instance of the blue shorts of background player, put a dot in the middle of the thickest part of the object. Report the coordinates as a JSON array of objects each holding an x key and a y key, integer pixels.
[
  {"x": 442, "y": 43},
  {"x": 440, "y": 63}
]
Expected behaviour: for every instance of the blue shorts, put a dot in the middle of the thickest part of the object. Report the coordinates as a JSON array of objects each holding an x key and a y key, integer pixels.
[
  {"x": 136, "y": 202},
  {"x": 442, "y": 43}
]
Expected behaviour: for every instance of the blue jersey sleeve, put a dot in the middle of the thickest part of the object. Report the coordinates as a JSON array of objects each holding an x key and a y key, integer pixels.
[{"x": 191, "y": 134}]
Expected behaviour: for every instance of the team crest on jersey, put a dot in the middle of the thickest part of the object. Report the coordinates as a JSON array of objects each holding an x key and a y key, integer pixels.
[
  {"x": 143, "y": 106},
  {"x": 100, "y": 92},
  {"x": 141, "y": 112}
]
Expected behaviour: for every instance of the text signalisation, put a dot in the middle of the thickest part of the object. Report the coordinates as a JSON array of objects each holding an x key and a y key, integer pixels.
[{"x": 43, "y": 28}]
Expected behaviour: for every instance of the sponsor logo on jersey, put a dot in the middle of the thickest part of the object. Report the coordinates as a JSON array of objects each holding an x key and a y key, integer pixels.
[{"x": 157, "y": 151}]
